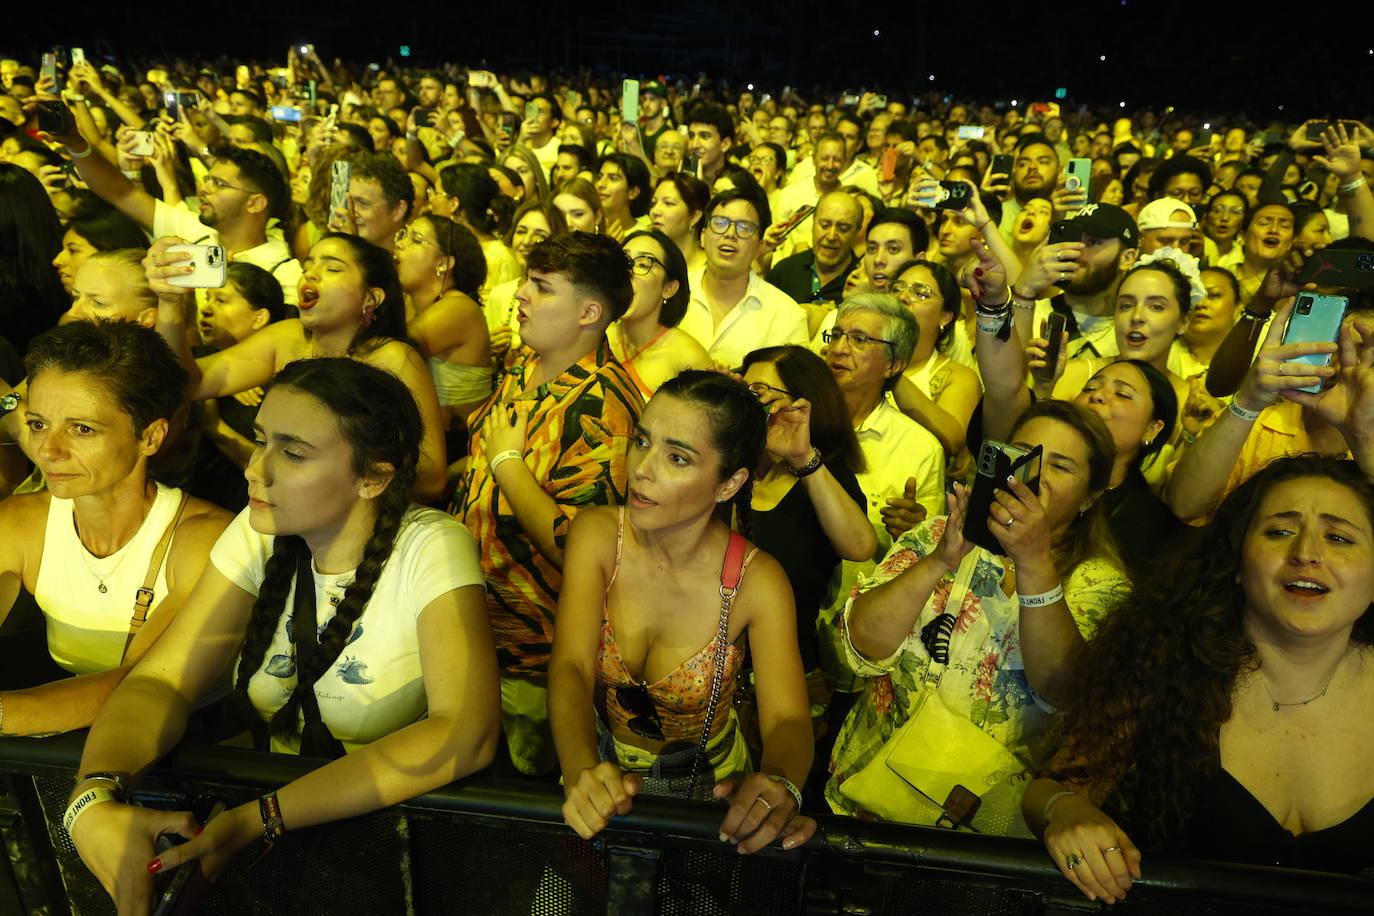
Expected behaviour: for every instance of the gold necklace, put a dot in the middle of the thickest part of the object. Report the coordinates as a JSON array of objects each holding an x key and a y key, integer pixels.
[{"x": 1325, "y": 687}]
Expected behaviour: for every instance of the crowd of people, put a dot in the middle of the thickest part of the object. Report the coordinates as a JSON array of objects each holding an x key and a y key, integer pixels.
[{"x": 664, "y": 454}]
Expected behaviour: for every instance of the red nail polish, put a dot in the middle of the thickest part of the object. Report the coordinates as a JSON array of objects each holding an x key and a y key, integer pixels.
[
  {"x": 154, "y": 866},
  {"x": 977, "y": 271}
]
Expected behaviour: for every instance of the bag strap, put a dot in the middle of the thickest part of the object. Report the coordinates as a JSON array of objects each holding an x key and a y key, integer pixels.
[
  {"x": 731, "y": 571},
  {"x": 316, "y": 738},
  {"x": 143, "y": 598}
]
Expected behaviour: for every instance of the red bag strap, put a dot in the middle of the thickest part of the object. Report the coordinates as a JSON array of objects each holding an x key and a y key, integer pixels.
[{"x": 733, "y": 567}]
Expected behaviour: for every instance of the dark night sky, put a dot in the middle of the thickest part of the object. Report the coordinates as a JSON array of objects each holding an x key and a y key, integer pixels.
[{"x": 1167, "y": 52}]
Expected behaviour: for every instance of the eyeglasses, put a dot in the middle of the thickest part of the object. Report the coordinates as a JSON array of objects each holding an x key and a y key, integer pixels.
[
  {"x": 216, "y": 183},
  {"x": 643, "y": 264},
  {"x": 743, "y": 228},
  {"x": 644, "y": 719},
  {"x": 1229, "y": 211},
  {"x": 759, "y": 389},
  {"x": 411, "y": 237},
  {"x": 761, "y": 160},
  {"x": 911, "y": 290},
  {"x": 857, "y": 339}
]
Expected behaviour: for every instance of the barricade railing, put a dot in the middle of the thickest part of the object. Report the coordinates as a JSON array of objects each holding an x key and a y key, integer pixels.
[{"x": 495, "y": 846}]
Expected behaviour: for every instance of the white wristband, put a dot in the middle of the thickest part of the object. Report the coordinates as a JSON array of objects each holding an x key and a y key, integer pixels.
[
  {"x": 92, "y": 796},
  {"x": 1245, "y": 413},
  {"x": 1353, "y": 184},
  {"x": 499, "y": 457},
  {"x": 1042, "y": 599}
]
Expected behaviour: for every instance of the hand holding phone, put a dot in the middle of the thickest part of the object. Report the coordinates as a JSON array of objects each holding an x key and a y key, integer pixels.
[
  {"x": 629, "y": 101},
  {"x": 207, "y": 263},
  {"x": 994, "y": 504},
  {"x": 1316, "y": 318}
]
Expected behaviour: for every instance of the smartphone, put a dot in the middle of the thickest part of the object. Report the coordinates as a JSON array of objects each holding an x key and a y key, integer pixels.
[
  {"x": 1064, "y": 231},
  {"x": 51, "y": 117},
  {"x": 305, "y": 50},
  {"x": 177, "y": 102},
  {"x": 796, "y": 219},
  {"x": 879, "y": 101},
  {"x": 952, "y": 195},
  {"x": 1055, "y": 325},
  {"x": 1002, "y": 164},
  {"x": 1078, "y": 176},
  {"x": 286, "y": 113},
  {"x": 1314, "y": 130},
  {"x": 1316, "y": 318},
  {"x": 209, "y": 266},
  {"x": 1329, "y": 267},
  {"x": 690, "y": 164},
  {"x": 629, "y": 101},
  {"x": 967, "y": 132},
  {"x": 50, "y": 69},
  {"x": 887, "y": 165},
  {"x": 186, "y": 885},
  {"x": 996, "y": 462},
  {"x": 143, "y": 143},
  {"x": 338, "y": 186},
  {"x": 849, "y": 101},
  {"x": 425, "y": 117},
  {"x": 78, "y": 55}
]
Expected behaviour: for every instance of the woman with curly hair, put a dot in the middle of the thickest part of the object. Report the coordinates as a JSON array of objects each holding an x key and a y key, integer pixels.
[
  {"x": 399, "y": 683},
  {"x": 1226, "y": 710}
]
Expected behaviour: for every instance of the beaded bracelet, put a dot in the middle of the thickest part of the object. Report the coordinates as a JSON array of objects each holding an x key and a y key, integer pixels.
[{"x": 811, "y": 466}]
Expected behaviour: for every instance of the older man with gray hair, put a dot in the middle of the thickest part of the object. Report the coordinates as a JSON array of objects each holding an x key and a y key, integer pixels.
[{"x": 869, "y": 345}]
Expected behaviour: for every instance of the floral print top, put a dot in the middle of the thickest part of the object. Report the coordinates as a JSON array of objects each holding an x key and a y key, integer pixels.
[{"x": 984, "y": 678}]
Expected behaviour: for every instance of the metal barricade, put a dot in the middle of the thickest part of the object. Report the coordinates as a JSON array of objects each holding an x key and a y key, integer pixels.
[{"x": 488, "y": 846}]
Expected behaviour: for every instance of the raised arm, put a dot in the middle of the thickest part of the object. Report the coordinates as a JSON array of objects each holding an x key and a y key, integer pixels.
[
  {"x": 103, "y": 178},
  {"x": 1342, "y": 159},
  {"x": 1198, "y": 483},
  {"x": 1232, "y": 359},
  {"x": 881, "y": 618},
  {"x": 1001, "y": 363}
]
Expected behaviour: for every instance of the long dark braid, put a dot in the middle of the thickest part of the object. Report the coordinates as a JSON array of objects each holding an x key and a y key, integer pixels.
[{"x": 378, "y": 416}]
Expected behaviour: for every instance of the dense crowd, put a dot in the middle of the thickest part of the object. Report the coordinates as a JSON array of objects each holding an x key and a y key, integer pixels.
[{"x": 994, "y": 469}]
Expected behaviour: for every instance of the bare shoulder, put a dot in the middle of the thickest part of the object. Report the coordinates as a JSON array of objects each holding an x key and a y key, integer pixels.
[
  {"x": 595, "y": 523},
  {"x": 396, "y": 357},
  {"x": 765, "y": 588},
  {"x": 19, "y": 513}
]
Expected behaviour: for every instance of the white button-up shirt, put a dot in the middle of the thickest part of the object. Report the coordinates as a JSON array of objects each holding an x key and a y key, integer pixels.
[{"x": 764, "y": 317}]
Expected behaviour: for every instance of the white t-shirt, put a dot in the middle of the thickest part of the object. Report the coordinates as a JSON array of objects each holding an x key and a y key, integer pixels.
[
  {"x": 376, "y": 685},
  {"x": 273, "y": 255}
]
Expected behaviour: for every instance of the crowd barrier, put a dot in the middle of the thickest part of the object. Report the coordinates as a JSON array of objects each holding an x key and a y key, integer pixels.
[{"x": 491, "y": 846}]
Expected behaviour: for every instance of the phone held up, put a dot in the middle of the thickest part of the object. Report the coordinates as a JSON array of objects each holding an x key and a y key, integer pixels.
[
  {"x": 208, "y": 267},
  {"x": 996, "y": 462},
  {"x": 1316, "y": 318}
]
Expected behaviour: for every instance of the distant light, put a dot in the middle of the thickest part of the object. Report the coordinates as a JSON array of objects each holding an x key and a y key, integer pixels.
[
  {"x": 1123, "y": 104},
  {"x": 875, "y": 33},
  {"x": 1061, "y": 93},
  {"x": 1280, "y": 108},
  {"x": 1013, "y": 103},
  {"x": 1207, "y": 126},
  {"x": 405, "y": 50},
  {"x": 750, "y": 87},
  {"x": 1101, "y": 57},
  {"x": 932, "y": 77}
]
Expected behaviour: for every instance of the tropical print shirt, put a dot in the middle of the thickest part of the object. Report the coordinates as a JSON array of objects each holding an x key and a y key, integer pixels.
[
  {"x": 984, "y": 679},
  {"x": 576, "y": 444}
]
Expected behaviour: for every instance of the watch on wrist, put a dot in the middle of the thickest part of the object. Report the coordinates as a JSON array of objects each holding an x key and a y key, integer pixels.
[{"x": 9, "y": 403}]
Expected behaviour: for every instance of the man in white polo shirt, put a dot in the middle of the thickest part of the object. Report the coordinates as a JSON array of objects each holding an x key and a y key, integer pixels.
[{"x": 733, "y": 310}]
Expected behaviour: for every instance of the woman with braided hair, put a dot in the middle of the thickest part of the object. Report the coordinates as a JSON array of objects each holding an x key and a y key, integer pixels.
[{"x": 401, "y": 676}]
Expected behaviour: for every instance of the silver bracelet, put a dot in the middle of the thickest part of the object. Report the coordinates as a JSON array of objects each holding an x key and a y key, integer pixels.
[
  {"x": 1042, "y": 599},
  {"x": 790, "y": 787},
  {"x": 1245, "y": 413},
  {"x": 1045, "y": 814}
]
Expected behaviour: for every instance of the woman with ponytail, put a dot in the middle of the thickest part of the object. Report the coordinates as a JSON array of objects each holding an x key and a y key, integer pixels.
[
  {"x": 632, "y": 682},
  {"x": 400, "y": 678}
]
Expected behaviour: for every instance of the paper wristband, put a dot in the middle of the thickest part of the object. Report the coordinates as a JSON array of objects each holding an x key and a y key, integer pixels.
[{"x": 92, "y": 796}]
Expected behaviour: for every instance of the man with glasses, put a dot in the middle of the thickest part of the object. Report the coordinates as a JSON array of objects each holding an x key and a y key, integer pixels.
[
  {"x": 241, "y": 194},
  {"x": 732, "y": 309},
  {"x": 904, "y": 475}
]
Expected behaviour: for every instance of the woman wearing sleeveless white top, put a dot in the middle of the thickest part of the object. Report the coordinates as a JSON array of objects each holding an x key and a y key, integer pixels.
[{"x": 99, "y": 399}]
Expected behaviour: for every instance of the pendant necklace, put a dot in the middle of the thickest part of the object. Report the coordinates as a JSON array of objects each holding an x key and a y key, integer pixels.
[{"x": 1327, "y": 686}]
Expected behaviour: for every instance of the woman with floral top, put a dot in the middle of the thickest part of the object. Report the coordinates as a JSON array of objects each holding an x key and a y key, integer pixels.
[{"x": 971, "y": 644}]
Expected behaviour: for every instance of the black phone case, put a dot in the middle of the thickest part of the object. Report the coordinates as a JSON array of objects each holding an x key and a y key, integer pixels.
[{"x": 985, "y": 488}]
